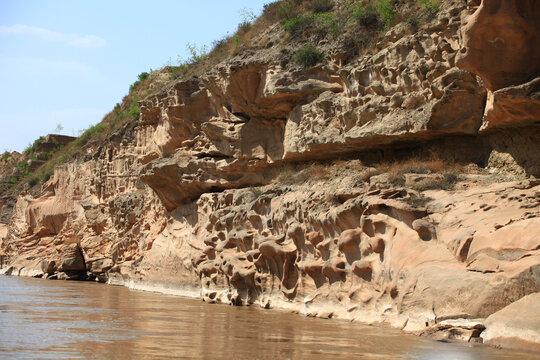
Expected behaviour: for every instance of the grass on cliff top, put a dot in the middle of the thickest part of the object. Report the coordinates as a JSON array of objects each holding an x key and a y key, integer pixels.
[
  {"x": 19, "y": 166},
  {"x": 355, "y": 25},
  {"x": 327, "y": 17}
]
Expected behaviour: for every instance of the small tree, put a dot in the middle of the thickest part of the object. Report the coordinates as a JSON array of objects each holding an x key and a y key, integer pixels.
[{"x": 247, "y": 16}]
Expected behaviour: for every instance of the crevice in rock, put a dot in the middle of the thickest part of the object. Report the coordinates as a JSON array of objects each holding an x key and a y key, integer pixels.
[
  {"x": 242, "y": 116},
  {"x": 84, "y": 271},
  {"x": 213, "y": 156}
]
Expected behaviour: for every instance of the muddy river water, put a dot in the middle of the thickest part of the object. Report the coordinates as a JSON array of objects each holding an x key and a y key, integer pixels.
[{"x": 44, "y": 319}]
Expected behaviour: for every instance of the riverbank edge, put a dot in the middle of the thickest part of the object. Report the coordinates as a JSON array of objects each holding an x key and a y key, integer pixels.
[{"x": 510, "y": 340}]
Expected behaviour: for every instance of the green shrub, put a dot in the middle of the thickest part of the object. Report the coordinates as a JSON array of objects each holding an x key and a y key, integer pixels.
[
  {"x": 385, "y": 10},
  {"x": 429, "y": 7},
  {"x": 33, "y": 182},
  {"x": 89, "y": 133},
  {"x": 237, "y": 40},
  {"x": 22, "y": 164},
  {"x": 217, "y": 44},
  {"x": 179, "y": 70},
  {"x": 120, "y": 116},
  {"x": 329, "y": 22},
  {"x": 247, "y": 17},
  {"x": 308, "y": 56},
  {"x": 298, "y": 23},
  {"x": 134, "y": 110},
  {"x": 303, "y": 21},
  {"x": 244, "y": 26},
  {"x": 413, "y": 22},
  {"x": 196, "y": 53},
  {"x": 5, "y": 156},
  {"x": 285, "y": 9},
  {"x": 370, "y": 16},
  {"x": 11, "y": 181},
  {"x": 64, "y": 158},
  {"x": 366, "y": 16},
  {"x": 321, "y": 6},
  {"x": 143, "y": 76},
  {"x": 28, "y": 149}
]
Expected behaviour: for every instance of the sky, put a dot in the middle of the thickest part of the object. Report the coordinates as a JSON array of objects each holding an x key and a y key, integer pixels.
[{"x": 68, "y": 62}]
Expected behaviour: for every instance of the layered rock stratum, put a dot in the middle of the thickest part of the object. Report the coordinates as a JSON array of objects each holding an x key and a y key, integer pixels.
[{"x": 266, "y": 183}]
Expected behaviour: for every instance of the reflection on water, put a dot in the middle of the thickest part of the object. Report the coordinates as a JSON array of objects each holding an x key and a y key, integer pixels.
[{"x": 42, "y": 319}]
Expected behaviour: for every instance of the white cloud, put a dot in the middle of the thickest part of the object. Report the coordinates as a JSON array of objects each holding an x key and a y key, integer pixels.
[{"x": 86, "y": 41}]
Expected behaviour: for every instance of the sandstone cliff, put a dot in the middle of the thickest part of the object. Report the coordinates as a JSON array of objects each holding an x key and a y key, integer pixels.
[{"x": 385, "y": 186}]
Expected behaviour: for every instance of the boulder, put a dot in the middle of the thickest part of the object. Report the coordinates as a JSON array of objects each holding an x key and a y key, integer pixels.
[
  {"x": 513, "y": 106},
  {"x": 515, "y": 326},
  {"x": 71, "y": 258},
  {"x": 101, "y": 266}
]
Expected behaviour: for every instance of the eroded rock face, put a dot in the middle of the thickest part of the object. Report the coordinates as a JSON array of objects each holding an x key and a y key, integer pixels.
[
  {"x": 409, "y": 90},
  {"x": 88, "y": 211},
  {"x": 197, "y": 194},
  {"x": 356, "y": 254},
  {"x": 513, "y": 106},
  {"x": 228, "y": 128},
  {"x": 501, "y": 42}
]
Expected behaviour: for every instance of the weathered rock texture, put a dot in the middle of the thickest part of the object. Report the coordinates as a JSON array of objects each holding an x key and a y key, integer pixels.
[
  {"x": 503, "y": 325},
  {"x": 501, "y": 44},
  {"x": 213, "y": 189}
]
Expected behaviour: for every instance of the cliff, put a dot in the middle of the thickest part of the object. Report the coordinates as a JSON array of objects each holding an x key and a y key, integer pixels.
[{"x": 393, "y": 183}]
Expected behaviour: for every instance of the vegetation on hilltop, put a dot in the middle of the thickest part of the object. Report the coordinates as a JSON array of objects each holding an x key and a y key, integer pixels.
[
  {"x": 16, "y": 168},
  {"x": 357, "y": 23},
  {"x": 122, "y": 114}
]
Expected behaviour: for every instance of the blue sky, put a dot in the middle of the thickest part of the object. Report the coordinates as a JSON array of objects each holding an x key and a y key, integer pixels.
[{"x": 68, "y": 62}]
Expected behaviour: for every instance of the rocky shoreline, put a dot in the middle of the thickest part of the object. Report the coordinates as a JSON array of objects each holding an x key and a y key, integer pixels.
[
  {"x": 397, "y": 188},
  {"x": 499, "y": 330},
  {"x": 383, "y": 301}
]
